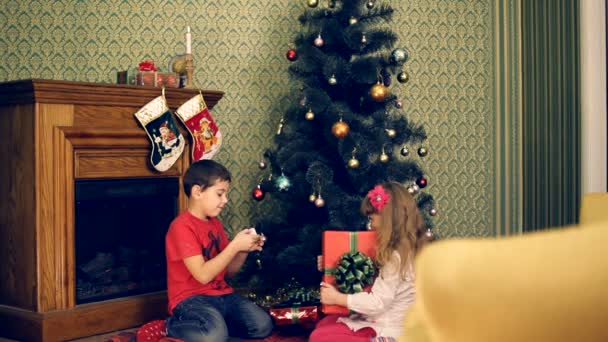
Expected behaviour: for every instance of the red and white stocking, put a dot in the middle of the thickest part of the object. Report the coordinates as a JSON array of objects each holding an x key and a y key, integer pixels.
[{"x": 206, "y": 136}]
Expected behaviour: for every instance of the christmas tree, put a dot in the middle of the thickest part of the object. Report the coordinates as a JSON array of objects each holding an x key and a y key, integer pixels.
[{"x": 343, "y": 132}]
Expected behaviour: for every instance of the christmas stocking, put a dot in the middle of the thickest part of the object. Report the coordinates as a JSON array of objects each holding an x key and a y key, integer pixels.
[
  {"x": 206, "y": 136},
  {"x": 167, "y": 141}
]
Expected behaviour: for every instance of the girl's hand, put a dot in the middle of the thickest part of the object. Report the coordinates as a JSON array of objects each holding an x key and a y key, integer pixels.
[
  {"x": 331, "y": 296},
  {"x": 320, "y": 263}
]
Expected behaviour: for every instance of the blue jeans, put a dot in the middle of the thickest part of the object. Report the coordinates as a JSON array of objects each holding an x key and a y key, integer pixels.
[{"x": 202, "y": 318}]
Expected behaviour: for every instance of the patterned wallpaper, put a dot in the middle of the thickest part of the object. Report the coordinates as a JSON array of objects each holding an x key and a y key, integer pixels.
[{"x": 239, "y": 48}]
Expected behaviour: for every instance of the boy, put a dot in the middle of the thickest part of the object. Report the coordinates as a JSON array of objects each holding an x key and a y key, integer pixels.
[{"x": 202, "y": 305}]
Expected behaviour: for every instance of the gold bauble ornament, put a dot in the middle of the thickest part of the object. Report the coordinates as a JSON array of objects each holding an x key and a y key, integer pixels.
[
  {"x": 391, "y": 132},
  {"x": 353, "y": 163},
  {"x": 352, "y": 20},
  {"x": 378, "y": 92},
  {"x": 403, "y": 77},
  {"x": 312, "y": 197},
  {"x": 332, "y": 80},
  {"x": 319, "y": 202},
  {"x": 340, "y": 129},
  {"x": 309, "y": 115},
  {"x": 384, "y": 157},
  {"x": 422, "y": 151},
  {"x": 312, "y": 3}
]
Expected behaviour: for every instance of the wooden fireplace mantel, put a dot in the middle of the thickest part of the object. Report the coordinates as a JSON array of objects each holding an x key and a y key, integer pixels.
[{"x": 56, "y": 132}]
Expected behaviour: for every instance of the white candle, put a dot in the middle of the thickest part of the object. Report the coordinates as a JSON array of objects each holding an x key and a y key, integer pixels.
[{"x": 188, "y": 41}]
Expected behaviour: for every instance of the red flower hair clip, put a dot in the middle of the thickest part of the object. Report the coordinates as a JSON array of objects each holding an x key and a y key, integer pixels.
[{"x": 378, "y": 197}]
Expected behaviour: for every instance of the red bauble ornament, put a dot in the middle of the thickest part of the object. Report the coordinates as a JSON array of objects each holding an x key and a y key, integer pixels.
[
  {"x": 421, "y": 182},
  {"x": 258, "y": 194},
  {"x": 291, "y": 55}
]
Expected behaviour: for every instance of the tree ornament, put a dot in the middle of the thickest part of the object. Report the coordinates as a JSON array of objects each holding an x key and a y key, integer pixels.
[
  {"x": 369, "y": 5},
  {"x": 416, "y": 188},
  {"x": 332, "y": 4},
  {"x": 340, "y": 129},
  {"x": 398, "y": 104},
  {"x": 403, "y": 77},
  {"x": 252, "y": 296},
  {"x": 433, "y": 212},
  {"x": 319, "y": 41},
  {"x": 387, "y": 79},
  {"x": 353, "y": 163},
  {"x": 422, "y": 151},
  {"x": 378, "y": 92},
  {"x": 429, "y": 233},
  {"x": 404, "y": 151},
  {"x": 332, "y": 80},
  {"x": 312, "y": 3},
  {"x": 312, "y": 197},
  {"x": 421, "y": 182},
  {"x": 310, "y": 115},
  {"x": 352, "y": 20},
  {"x": 262, "y": 164},
  {"x": 319, "y": 202},
  {"x": 399, "y": 55},
  {"x": 282, "y": 183},
  {"x": 291, "y": 55},
  {"x": 257, "y": 193},
  {"x": 384, "y": 158},
  {"x": 258, "y": 262},
  {"x": 363, "y": 38},
  {"x": 391, "y": 132},
  {"x": 280, "y": 129}
]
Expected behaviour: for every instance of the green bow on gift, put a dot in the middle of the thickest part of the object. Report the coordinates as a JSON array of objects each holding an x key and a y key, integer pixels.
[{"x": 355, "y": 271}]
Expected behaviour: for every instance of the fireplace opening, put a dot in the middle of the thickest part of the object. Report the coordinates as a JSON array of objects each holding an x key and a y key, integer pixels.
[{"x": 120, "y": 236}]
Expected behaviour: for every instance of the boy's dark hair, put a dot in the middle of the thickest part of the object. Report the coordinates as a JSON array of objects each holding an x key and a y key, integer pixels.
[{"x": 205, "y": 173}]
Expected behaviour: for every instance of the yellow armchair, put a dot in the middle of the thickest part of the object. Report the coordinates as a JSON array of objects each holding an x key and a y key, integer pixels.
[
  {"x": 594, "y": 207},
  {"x": 546, "y": 286}
]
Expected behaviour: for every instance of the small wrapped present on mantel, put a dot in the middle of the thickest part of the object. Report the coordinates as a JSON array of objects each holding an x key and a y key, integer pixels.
[
  {"x": 148, "y": 75},
  {"x": 348, "y": 263}
]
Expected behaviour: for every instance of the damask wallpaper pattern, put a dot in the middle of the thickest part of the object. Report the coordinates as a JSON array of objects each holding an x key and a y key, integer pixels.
[{"x": 239, "y": 48}]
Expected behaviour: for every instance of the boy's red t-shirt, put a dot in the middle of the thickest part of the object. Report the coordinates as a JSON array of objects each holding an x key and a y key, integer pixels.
[{"x": 188, "y": 235}]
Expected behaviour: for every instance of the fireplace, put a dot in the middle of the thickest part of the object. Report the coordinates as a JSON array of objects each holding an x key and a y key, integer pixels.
[
  {"x": 76, "y": 198},
  {"x": 119, "y": 233}
]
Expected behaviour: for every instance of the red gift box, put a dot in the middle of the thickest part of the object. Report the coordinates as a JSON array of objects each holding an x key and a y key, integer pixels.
[
  {"x": 336, "y": 244},
  {"x": 157, "y": 79},
  {"x": 294, "y": 315}
]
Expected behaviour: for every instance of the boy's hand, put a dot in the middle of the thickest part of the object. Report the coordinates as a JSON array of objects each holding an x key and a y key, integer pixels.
[
  {"x": 320, "y": 263},
  {"x": 247, "y": 240}
]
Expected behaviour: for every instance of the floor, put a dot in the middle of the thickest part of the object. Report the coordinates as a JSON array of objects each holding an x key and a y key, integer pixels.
[{"x": 285, "y": 334}]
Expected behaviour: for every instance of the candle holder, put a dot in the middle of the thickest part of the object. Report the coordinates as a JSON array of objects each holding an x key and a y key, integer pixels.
[{"x": 189, "y": 71}]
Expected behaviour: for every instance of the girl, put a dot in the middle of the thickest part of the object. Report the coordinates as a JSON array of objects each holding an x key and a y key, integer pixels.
[{"x": 400, "y": 235}]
